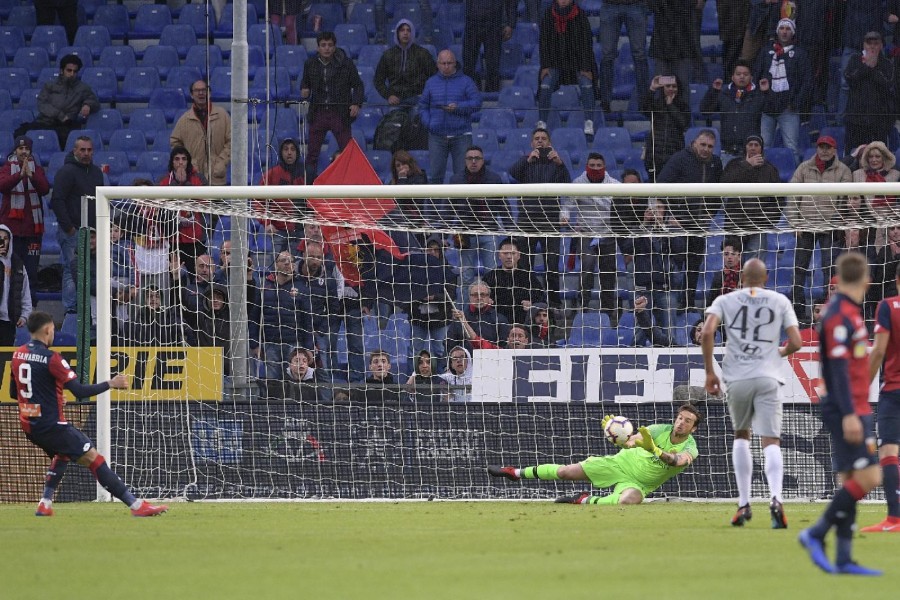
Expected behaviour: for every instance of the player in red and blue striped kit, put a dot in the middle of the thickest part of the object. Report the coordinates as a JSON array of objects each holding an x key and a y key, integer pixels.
[
  {"x": 887, "y": 350},
  {"x": 38, "y": 378},
  {"x": 846, "y": 414}
]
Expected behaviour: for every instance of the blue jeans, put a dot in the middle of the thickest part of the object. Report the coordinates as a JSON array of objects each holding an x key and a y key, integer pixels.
[
  {"x": 635, "y": 18},
  {"x": 356, "y": 358},
  {"x": 440, "y": 147},
  {"x": 425, "y": 26},
  {"x": 277, "y": 359},
  {"x": 433, "y": 341},
  {"x": 482, "y": 249},
  {"x": 789, "y": 123},
  {"x": 67, "y": 245},
  {"x": 550, "y": 83}
]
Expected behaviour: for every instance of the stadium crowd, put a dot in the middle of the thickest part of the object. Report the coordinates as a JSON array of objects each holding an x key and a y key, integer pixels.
[{"x": 777, "y": 100}]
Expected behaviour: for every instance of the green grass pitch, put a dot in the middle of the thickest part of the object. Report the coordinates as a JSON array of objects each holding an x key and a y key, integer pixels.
[{"x": 428, "y": 550}]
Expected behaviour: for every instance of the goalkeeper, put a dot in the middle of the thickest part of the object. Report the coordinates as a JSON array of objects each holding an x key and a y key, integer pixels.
[{"x": 647, "y": 460}]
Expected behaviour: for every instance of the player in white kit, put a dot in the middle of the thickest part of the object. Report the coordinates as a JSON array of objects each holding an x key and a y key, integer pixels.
[{"x": 754, "y": 318}]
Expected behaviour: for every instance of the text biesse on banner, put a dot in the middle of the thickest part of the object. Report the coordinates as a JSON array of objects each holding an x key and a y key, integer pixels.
[{"x": 166, "y": 373}]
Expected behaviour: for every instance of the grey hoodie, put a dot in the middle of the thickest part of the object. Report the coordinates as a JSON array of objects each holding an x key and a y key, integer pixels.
[
  {"x": 453, "y": 379},
  {"x": 17, "y": 278}
]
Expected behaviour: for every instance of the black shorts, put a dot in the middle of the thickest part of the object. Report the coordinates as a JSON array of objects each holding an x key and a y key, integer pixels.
[
  {"x": 850, "y": 457},
  {"x": 889, "y": 417},
  {"x": 65, "y": 439}
]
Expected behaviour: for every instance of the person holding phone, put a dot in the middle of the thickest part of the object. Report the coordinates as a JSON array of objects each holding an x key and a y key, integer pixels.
[{"x": 670, "y": 115}]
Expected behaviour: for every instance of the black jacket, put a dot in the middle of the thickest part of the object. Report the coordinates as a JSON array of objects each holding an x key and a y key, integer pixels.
[
  {"x": 669, "y": 122},
  {"x": 74, "y": 180},
  {"x": 333, "y": 85}
]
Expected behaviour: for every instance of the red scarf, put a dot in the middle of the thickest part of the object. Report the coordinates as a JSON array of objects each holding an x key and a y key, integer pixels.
[
  {"x": 821, "y": 165},
  {"x": 595, "y": 175},
  {"x": 731, "y": 279},
  {"x": 878, "y": 176},
  {"x": 560, "y": 21}
]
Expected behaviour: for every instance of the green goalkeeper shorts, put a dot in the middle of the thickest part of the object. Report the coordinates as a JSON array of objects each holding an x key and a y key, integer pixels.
[{"x": 605, "y": 472}]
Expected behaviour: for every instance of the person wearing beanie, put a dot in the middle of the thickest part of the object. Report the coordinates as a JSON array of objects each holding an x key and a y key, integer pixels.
[
  {"x": 23, "y": 183},
  {"x": 786, "y": 69},
  {"x": 749, "y": 213},
  {"x": 64, "y": 103}
]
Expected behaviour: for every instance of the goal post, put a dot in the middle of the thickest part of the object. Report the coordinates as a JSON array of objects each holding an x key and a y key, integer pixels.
[{"x": 215, "y": 423}]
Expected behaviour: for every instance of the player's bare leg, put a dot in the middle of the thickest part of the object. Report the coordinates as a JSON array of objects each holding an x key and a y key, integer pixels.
[
  {"x": 115, "y": 486},
  {"x": 887, "y": 457}
]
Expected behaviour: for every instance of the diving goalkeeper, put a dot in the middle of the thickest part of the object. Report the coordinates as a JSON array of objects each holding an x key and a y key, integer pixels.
[{"x": 647, "y": 460}]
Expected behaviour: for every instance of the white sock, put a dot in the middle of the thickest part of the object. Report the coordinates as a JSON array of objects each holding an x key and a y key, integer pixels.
[
  {"x": 137, "y": 504},
  {"x": 743, "y": 469},
  {"x": 45, "y": 502},
  {"x": 519, "y": 473},
  {"x": 774, "y": 469}
]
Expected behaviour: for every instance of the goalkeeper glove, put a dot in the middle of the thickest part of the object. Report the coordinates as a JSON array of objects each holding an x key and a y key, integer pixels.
[
  {"x": 604, "y": 421},
  {"x": 646, "y": 442}
]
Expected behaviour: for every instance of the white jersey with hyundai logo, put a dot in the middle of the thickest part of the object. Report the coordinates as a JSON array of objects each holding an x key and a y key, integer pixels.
[{"x": 753, "y": 319}]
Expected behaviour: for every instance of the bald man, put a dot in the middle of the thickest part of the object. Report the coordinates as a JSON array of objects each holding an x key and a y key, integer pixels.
[{"x": 754, "y": 318}]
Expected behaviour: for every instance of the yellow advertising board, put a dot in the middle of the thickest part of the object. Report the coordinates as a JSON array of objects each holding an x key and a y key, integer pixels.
[{"x": 165, "y": 373}]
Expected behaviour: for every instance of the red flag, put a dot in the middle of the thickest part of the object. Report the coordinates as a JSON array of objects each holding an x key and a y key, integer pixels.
[{"x": 352, "y": 168}]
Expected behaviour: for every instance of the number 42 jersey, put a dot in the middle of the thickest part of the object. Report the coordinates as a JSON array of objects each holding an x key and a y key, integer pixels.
[{"x": 753, "y": 319}]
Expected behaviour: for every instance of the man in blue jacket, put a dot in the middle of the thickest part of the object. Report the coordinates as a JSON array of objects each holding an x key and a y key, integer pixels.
[{"x": 447, "y": 104}]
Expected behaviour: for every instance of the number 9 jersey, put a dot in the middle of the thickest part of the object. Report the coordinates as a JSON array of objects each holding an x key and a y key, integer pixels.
[
  {"x": 754, "y": 319},
  {"x": 38, "y": 377}
]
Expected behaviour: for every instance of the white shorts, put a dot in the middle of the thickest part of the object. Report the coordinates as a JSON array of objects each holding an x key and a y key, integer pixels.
[{"x": 755, "y": 404}]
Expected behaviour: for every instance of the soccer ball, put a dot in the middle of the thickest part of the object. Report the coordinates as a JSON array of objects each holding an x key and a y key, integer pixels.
[{"x": 618, "y": 430}]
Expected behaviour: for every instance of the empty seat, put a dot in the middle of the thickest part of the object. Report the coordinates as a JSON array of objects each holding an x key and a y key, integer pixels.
[
  {"x": 511, "y": 56},
  {"x": 367, "y": 120},
  {"x": 521, "y": 100},
  {"x": 351, "y": 37},
  {"x": 528, "y": 36},
  {"x": 95, "y": 37},
  {"x": 32, "y": 59},
  {"x": 23, "y": 17},
  {"x": 155, "y": 162},
  {"x": 138, "y": 84},
  {"x": 82, "y": 52},
  {"x": 115, "y": 18},
  {"x": 117, "y": 162},
  {"x": 572, "y": 140},
  {"x": 486, "y": 139},
  {"x": 130, "y": 141},
  {"x": 164, "y": 58},
  {"x": 5, "y": 102},
  {"x": 182, "y": 37},
  {"x": 119, "y": 59},
  {"x": 257, "y": 36},
  {"x": 199, "y": 16},
  {"x": 498, "y": 118},
  {"x": 106, "y": 121},
  {"x": 292, "y": 57},
  {"x": 220, "y": 84},
  {"x": 204, "y": 58},
  {"x": 150, "y": 21},
  {"x": 15, "y": 80},
  {"x": 171, "y": 101},
  {"x": 103, "y": 81},
  {"x": 614, "y": 141},
  {"x": 225, "y": 27},
  {"x": 11, "y": 39},
  {"x": 370, "y": 54},
  {"x": 183, "y": 77},
  {"x": 45, "y": 143},
  {"x": 277, "y": 86},
  {"x": 783, "y": 159}
]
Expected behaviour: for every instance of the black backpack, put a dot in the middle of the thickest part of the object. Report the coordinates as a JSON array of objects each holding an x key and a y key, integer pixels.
[{"x": 389, "y": 133}]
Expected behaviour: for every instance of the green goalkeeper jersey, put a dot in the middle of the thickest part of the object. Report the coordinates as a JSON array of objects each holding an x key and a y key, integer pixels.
[{"x": 647, "y": 469}]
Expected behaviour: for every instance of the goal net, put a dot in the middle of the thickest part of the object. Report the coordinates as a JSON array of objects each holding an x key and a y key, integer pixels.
[{"x": 274, "y": 335}]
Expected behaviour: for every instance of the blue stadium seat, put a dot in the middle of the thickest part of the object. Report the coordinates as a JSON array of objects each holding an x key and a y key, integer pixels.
[
  {"x": 615, "y": 141},
  {"x": 515, "y": 139},
  {"x": 56, "y": 161},
  {"x": 32, "y": 59},
  {"x": 521, "y": 99},
  {"x": 364, "y": 15},
  {"x": 498, "y": 118},
  {"x": 292, "y": 57},
  {"x": 697, "y": 91},
  {"x": 6, "y": 6},
  {"x": 225, "y": 27},
  {"x": 115, "y": 18},
  {"x": 130, "y": 141},
  {"x": 23, "y": 17},
  {"x": 454, "y": 15},
  {"x": 119, "y": 59},
  {"x": 5, "y": 100},
  {"x": 95, "y": 37},
  {"x": 106, "y": 121},
  {"x": 586, "y": 329},
  {"x": 138, "y": 84},
  {"x": 504, "y": 159},
  {"x": 367, "y": 120},
  {"x": 528, "y": 36},
  {"x": 95, "y": 135},
  {"x": 182, "y": 37},
  {"x": 332, "y": 14},
  {"x": 23, "y": 336},
  {"x": 256, "y": 59},
  {"x": 572, "y": 140},
  {"x": 351, "y": 37},
  {"x": 64, "y": 340},
  {"x": 171, "y": 101},
  {"x": 278, "y": 80},
  {"x": 155, "y": 162},
  {"x": 256, "y": 36},
  {"x": 623, "y": 78},
  {"x": 164, "y": 58},
  {"x": 783, "y": 159},
  {"x": 16, "y": 116},
  {"x": 15, "y": 80},
  {"x": 511, "y": 57},
  {"x": 45, "y": 144},
  {"x": 565, "y": 99},
  {"x": 487, "y": 140},
  {"x": 150, "y": 21},
  {"x": 82, "y": 52},
  {"x": 183, "y": 77},
  {"x": 204, "y": 57},
  {"x": 370, "y": 54},
  {"x": 220, "y": 84},
  {"x": 148, "y": 120},
  {"x": 103, "y": 81},
  {"x": 70, "y": 324},
  {"x": 160, "y": 138},
  {"x": 117, "y": 161},
  {"x": 381, "y": 162},
  {"x": 11, "y": 39},
  {"x": 49, "y": 37},
  {"x": 199, "y": 16}
]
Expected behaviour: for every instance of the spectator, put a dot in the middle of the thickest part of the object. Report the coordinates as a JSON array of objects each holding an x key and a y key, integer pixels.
[
  {"x": 431, "y": 286},
  {"x": 213, "y": 320},
  {"x": 474, "y": 213},
  {"x": 632, "y": 219},
  {"x": 733, "y": 16},
  {"x": 48, "y": 11},
  {"x": 647, "y": 331},
  {"x": 319, "y": 298},
  {"x": 288, "y": 171},
  {"x": 78, "y": 177},
  {"x": 590, "y": 217},
  {"x": 381, "y": 22},
  {"x": 459, "y": 374},
  {"x": 64, "y": 103},
  {"x": 481, "y": 316},
  {"x": 787, "y": 69},
  {"x": 487, "y": 25},
  {"x": 284, "y": 324},
  {"x": 516, "y": 290},
  {"x": 670, "y": 115},
  {"x": 566, "y": 57},
  {"x": 752, "y": 213},
  {"x": 196, "y": 287},
  {"x": 695, "y": 164},
  {"x": 410, "y": 212},
  {"x": 284, "y": 13},
  {"x": 614, "y": 14},
  {"x": 23, "y": 184},
  {"x": 192, "y": 236},
  {"x": 312, "y": 382},
  {"x": 544, "y": 332},
  {"x": 154, "y": 231},
  {"x": 380, "y": 385},
  {"x": 518, "y": 337},
  {"x": 205, "y": 131},
  {"x": 121, "y": 252},
  {"x": 335, "y": 93},
  {"x": 404, "y": 68},
  {"x": 815, "y": 211},
  {"x": 729, "y": 278},
  {"x": 542, "y": 215},
  {"x": 670, "y": 48},
  {"x": 15, "y": 291},
  {"x": 871, "y": 101},
  {"x": 448, "y": 102},
  {"x": 155, "y": 323},
  {"x": 860, "y": 19},
  {"x": 876, "y": 164},
  {"x": 885, "y": 265},
  {"x": 739, "y": 106},
  {"x": 423, "y": 385}
]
